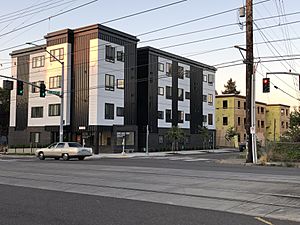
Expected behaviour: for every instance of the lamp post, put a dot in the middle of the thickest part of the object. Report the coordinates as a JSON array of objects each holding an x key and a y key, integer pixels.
[{"x": 61, "y": 124}]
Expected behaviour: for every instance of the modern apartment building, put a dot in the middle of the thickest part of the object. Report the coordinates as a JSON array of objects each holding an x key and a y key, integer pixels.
[
  {"x": 231, "y": 112},
  {"x": 173, "y": 91},
  {"x": 100, "y": 97},
  {"x": 278, "y": 119}
]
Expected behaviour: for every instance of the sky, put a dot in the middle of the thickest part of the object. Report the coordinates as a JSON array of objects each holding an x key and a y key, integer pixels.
[{"x": 104, "y": 10}]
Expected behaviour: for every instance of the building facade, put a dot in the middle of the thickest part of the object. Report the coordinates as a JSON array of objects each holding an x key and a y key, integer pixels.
[
  {"x": 170, "y": 93},
  {"x": 231, "y": 112},
  {"x": 278, "y": 119},
  {"x": 100, "y": 94}
]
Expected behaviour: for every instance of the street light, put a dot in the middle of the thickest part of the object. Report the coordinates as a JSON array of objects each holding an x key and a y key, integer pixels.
[{"x": 61, "y": 124}]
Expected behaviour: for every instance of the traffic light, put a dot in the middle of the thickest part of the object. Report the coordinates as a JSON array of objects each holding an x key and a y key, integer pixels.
[
  {"x": 20, "y": 87},
  {"x": 42, "y": 90},
  {"x": 266, "y": 85}
]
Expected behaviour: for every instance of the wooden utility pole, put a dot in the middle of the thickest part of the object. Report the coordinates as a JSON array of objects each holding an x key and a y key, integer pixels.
[{"x": 249, "y": 72}]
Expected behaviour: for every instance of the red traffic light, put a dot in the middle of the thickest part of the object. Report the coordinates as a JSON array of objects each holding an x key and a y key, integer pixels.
[{"x": 266, "y": 85}]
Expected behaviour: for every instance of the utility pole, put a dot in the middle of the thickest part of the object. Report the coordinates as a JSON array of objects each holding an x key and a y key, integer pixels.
[{"x": 249, "y": 73}]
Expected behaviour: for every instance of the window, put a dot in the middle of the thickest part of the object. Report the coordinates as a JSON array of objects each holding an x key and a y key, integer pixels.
[
  {"x": 239, "y": 138},
  {"x": 282, "y": 112},
  {"x": 204, "y": 98},
  {"x": 120, "y": 83},
  {"x": 161, "y": 67},
  {"x": 109, "y": 111},
  {"x": 160, "y": 91},
  {"x": 109, "y": 53},
  {"x": 58, "y": 53},
  {"x": 180, "y": 94},
  {"x": 204, "y": 118},
  {"x": 160, "y": 139},
  {"x": 187, "y": 117},
  {"x": 262, "y": 124},
  {"x": 120, "y": 111},
  {"x": 239, "y": 104},
  {"x": 257, "y": 110},
  {"x": 187, "y": 73},
  {"x": 36, "y": 89},
  {"x": 239, "y": 121},
  {"x": 169, "y": 92},
  {"x": 60, "y": 145},
  {"x": 210, "y": 79},
  {"x": 225, "y": 104},
  {"x": 210, "y": 119},
  {"x": 210, "y": 99},
  {"x": 38, "y": 61},
  {"x": 120, "y": 56},
  {"x": 36, "y": 112},
  {"x": 244, "y": 122},
  {"x": 169, "y": 69},
  {"x": 160, "y": 115},
  {"x": 35, "y": 137},
  {"x": 109, "y": 82},
  {"x": 55, "y": 82},
  {"x": 225, "y": 121},
  {"x": 258, "y": 123},
  {"x": 245, "y": 105},
  {"x": 282, "y": 124},
  {"x": 180, "y": 72},
  {"x": 287, "y": 125},
  {"x": 187, "y": 95},
  {"x": 74, "y": 145},
  {"x": 204, "y": 78},
  {"x": 262, "y": 110},
  {"x": 180, "y": 116},
  {"x": 54, "y": 110},
  {"x": 168, "y": 115},
  {"x": 286, "y": 112}
]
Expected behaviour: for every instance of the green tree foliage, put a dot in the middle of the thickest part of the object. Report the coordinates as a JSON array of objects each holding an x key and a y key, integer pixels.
[
  {"x": 293, "y": 133},
  {"x": 230, "y": 134},
  {"x": 203, "y": 131},
  {"x": 230, "y": 87},
  {"x": 175, "y": 135}
]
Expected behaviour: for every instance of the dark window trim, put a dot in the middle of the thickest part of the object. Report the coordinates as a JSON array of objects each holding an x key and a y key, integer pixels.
[
  {"x": 109, "y": 87},
  {"x": 50, "y": 111},
  {"x": 34, "y": 115},
  {"x": 120, "y": 111},
  {"x": 161, "y": 67},
  {"x": 35, "y": 59},
  {"x": 110, "y": 53},
  {"x": 107, "y": 114},
  {"x": 120, "y": 56},
  {"x": 161, "y": 91},
  {"x": 120, "y": 87}
]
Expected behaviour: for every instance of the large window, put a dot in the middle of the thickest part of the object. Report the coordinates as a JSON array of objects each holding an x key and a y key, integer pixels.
[
  {"x": 109, "y": 111},
  {"x": 55, "y": 82},
  {"x": 168, "y": 92},
  {"x": 160, "y": 115},
  {"x": 168, "y": 115},
  {"x": 120, "y": 111},
  {"x": 225, "y": 121},
  {"x": 109, "y": 82},
  {"x": 120, "y": 83},
  {"x": 187, "y": 95},
  {"x": 128, "y": 138},
  {"x": 169, "y": 69},
  {"x": 38, "y": 61},
  {"x": 58, "y": 53},
  {"x": 204, "y": 118},
  {"x": 210, "y": 99},
  {"x": 239, "y": 121},
  {"x": 120, "y": 56},
  {"x": 204, "y": 78},
  {"x": 225, "y": 104},
  {"x": 180, "y": 72},
  {"x": 35, "y": 89},
  {"x": 160, "y": 91},
  {"x": 210, "y": 119},
  {"x": 180, "y": 94},
  {"x": 161, "y": 67},
  {"x": 187, "y": 117},
  {"x": 210, "y": 79},
  {"x": 187, "y": 73},
  {"x": 204, "y": 98},
  {"x": 54, "y": 110},
  {"x": 109, "y": 53},
  {"x": 180, "y": 116},
  {"x": 35, "y": 137},
  {"x": 36, "y": 112}
]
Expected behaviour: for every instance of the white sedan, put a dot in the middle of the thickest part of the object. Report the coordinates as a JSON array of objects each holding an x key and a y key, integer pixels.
[{"x": 64, "y": 150}]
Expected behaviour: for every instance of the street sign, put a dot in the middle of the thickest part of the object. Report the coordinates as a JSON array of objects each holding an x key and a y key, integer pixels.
[
  {"x": 252, "y": 130},
  {"x": 54, "y": 92}
]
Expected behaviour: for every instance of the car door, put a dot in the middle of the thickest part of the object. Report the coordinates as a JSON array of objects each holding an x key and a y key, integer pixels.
[
  {"x": 58, "y": 150},
  {"x": 50, "y": 150}
]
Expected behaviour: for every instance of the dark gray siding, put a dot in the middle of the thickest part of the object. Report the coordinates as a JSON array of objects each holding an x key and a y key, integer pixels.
[
  {"x": 152, "y": 93},
  {"x": 174, "y": 93},
  {"x": 22, "y": 101}
]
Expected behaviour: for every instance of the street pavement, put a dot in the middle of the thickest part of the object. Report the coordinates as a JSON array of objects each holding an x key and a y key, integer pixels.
[{"x": 188, "y": 183}]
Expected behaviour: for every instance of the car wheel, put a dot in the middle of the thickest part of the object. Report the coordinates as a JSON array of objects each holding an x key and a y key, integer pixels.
[
  {"x": 56, "y": 158},
  {"x": 65, "y": 156},
  {"x": 81, "y": 157},
  {"x": 41, "y": 156}
]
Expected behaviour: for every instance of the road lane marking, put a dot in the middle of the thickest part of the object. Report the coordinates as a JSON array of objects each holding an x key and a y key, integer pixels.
[{"x": 264, "y": 221}]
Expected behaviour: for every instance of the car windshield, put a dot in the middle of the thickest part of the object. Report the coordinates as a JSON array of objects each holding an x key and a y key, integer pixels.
[
  {"x": 52, "y": 145},
  {"x": 74, "y": 145}
]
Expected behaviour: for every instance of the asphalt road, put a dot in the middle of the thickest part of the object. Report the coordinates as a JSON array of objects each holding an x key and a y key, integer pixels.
[{"x": 28, "y": 206}]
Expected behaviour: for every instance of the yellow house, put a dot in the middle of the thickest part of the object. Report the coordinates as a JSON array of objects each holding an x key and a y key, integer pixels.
[
  {"x": 231, "y": 112},
  {"x": 278, "y": 118}
]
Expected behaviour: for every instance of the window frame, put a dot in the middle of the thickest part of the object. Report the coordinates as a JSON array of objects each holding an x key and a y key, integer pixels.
[
  {"x": 37, "y": 114},
  {"x": 41, "y": 59},
  {"x": 187, "y": 95},
  {"x": 120, "y": 56},
  {"x": 120, "y": 86},
  {"x": 50, "y": 111},
  {"x": 168, "y": 118},
  {"x": 225, "y": 121},
  {"x": 210, "y": 96},
  {"x": 110, "y": 53},
  {"x": 180, "y": 72},
  {"x": 55, "y": 82},
  {"x": 161, "y": 67},
  {"x": 120, "y": 111},
  {"x": 210, "y": 119},
  {"x": 181, "y": 97},
  {"x": 160, "y": 115},
  {"x": 108, "y": 85},
  {"x": 60, "y": 55},
  {"x": 107, "y": 111},
  {"x": 161, "y": 91},
  {"x": 169, "y": 69},
  {"x": 170, "y": 90}
]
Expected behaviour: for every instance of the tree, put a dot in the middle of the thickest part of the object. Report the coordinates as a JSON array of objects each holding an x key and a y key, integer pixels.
[
  {"x": 4, "y": 111},
  {"x": 230, "y": 134},
  {"x": 293, "y": 133},
  {"x": 203, "y": 131},
  {"x": 175, "y": 135},
  {"x": 230, "y": 88}
]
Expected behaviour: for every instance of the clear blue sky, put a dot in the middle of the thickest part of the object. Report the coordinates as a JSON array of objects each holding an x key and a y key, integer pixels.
[{"x": 104, "y": 10}]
